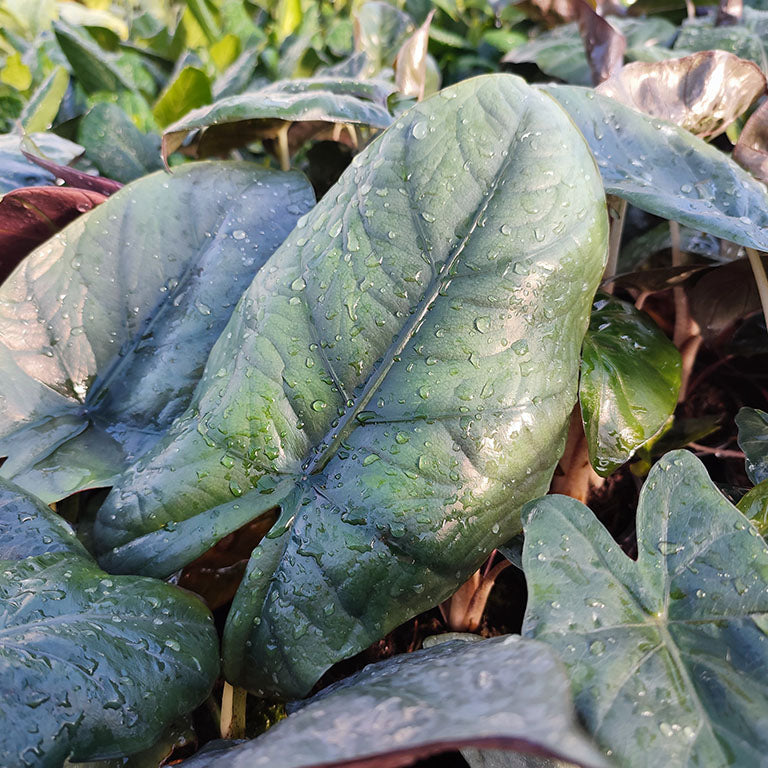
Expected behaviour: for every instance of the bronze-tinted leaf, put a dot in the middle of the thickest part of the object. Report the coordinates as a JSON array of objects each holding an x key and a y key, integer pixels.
[
  {"x": 703, "y": 93},
  {"x": 729, "y": 12},
  {"x": 30, "y": 215},
  {"x": 411, "y": 62},
  {"x": 751, "y": 150},
  {"x": 70, "y": 175},
  {"x": 604, "y": 43}
]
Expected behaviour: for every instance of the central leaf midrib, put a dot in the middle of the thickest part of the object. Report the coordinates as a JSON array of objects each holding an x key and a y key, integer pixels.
[
  {"x": 347, "y": 424},
  {"x": 102, "y": 382}
]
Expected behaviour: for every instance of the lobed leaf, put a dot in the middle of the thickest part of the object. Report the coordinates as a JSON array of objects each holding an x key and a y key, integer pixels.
[{"x": 668, "y": 655}]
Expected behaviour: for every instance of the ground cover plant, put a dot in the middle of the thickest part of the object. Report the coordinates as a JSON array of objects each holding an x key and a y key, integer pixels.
[{"x": 383, "y": 383}]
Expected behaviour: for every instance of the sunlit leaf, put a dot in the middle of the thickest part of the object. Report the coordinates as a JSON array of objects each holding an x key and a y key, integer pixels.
[
  {"x": 389, "y": 380},
  {"x": 191, "y": 89},
  {"x": 703, "y": 93},
  {"x": 751, "y": 150},
  {"x": 40, "y": 111},
  {"x": 105, "y": 329}
]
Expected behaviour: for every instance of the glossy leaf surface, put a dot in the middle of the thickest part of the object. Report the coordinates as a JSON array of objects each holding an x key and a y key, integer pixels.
[
  {"x": 503, "y": 692},
  {"x": 254, "y": 114},
  {"x": 665, "y": 170},
  {"x": 668, "y": 654},
  {"x": 753, "y": 440},
  {"x": 90, "y": 666},
  {"x": 703, "y": 93},
  {"x": 105, "y": 328},
  {"x": 399, "y": 377},
  {"x": 630, "y": 377}
]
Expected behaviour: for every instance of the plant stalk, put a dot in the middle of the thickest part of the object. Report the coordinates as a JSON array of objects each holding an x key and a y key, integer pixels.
[
  {"x": 233, "y": 704},
  {"x": 758, "y": 270},
  {"x": 283, "y": 151},
  {"x": 687, "y": 334},
  {"x": 617, "y": 209}
]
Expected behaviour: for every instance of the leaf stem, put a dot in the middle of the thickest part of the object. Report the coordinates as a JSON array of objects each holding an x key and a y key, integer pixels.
[
  {"x": 617, "y": 209},
  {"x": 687, "y": 334},
  {"x": 283, "y": 151},
  {"x": 758, "y": 270},
  {"x": 233, "y": 710}
]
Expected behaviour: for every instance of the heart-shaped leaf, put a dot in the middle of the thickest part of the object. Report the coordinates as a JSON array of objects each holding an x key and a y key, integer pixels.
[
  {"x": 506, "y": 692},
  {"x": 559, "y": 53},
  {"x": 105, "y": 328},
  {"x": 667, "y": 171},
  {"x": 117, "y": 147},
  {"x": 668, "y": 655},
  {"x": 399, "y": 377},
  {"x": 630, "y": 377},
  {"x": 91, "y": 666},
  {"x": 237, "y": 120},
  {"x": 17, "y": 171},
  {"x": 703, "y": 93},
  {"x": 753, "y": 440}
]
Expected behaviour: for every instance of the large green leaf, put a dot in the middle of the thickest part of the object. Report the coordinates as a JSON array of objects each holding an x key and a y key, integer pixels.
[
  {"x": 90, "y": 665},
  {"x": 668, "y": 655},
  {"x": 116, "y": 146},
  {"x": 399, "y": 376},
  {"x": 16, "y": 171},
  {"x": 506, "y": 692},
  {"x": 106, "y": 327},
  {"x": 753, "y": 440},
  {"x": 254, "y": 114},
  {"x": 667, "y": 171},
  {"x": 630, "y": 377}
]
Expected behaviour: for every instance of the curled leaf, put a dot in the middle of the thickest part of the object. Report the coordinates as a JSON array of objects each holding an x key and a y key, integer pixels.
[
  {"x": 605, "y": 45},
  {"x": 751, "y": 150},
  {"x": 630, "y": 377},
  {"x": 411, "y": 62},
  {"x": 703, "y": 93},
  {"x": 237, "y": 120}
]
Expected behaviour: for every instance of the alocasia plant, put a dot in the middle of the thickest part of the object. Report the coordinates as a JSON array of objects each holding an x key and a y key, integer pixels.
[
  {"x": 91, "y": 665},
  {"x": 106, "y": 327},
  {"x": 398, "y": 377},
  {"x": 668, "y": 655}
]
